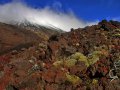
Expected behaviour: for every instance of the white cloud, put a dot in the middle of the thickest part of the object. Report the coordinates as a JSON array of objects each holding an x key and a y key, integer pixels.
[{"x": 16, "y": 12}]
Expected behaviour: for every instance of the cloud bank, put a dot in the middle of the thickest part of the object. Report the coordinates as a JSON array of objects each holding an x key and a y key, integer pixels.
[{"x": 17, "y": 12}]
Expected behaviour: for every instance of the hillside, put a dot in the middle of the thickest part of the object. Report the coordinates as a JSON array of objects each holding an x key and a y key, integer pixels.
[
  {"x": 82, "y": 59},
  {"x": 17, "y": 37}
]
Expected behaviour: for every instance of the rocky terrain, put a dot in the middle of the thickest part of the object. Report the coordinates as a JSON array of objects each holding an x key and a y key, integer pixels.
[{"x": 82, "y": 59}]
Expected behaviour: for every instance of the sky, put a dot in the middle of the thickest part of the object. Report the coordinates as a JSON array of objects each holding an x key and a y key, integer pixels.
[
  {"x": 63, "y": 14},
  {"x": 85, "y": 9}
]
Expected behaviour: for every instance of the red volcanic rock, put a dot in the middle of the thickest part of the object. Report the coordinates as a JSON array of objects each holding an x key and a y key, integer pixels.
[
  {"x": 51, "y": 87},
  {"x": 79, "y": 68},
  {"x": 49, "y": 76},
  {"x": 60, "y": 77},
  {"x": 3, "y": 61},
  {"x": 54, "y": 46}
]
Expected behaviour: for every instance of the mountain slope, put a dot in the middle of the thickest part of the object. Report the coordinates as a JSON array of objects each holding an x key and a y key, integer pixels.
[
  {"x": 82, "y": 59},
  {"x": 14, "y": 36},
  {"x": 40, "y": 30}
]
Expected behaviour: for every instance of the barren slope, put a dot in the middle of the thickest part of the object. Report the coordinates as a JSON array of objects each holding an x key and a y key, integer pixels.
[{"x": 12, "y": 36}]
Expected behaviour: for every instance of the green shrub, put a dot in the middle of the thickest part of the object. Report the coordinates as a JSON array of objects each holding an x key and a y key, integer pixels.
[
  {"x": 41, "y": 45},
  {"x": 117, "y": 29},
  {"x": 94, "y": 81},
  {"x": 73, "y": 79},
  {"x": 116, "y": 35},
  {"x": 80, "y": 57},
  {"x": 94, "y": 57},
  {"x": 67, "y": 63},
  {"x": 70, "y": 62},
  {"x": 58, "y": 63}
]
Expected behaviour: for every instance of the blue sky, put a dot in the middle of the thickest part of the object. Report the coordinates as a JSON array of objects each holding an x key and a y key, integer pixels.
[
  {"x": 63, "y": 14},
  {"x": 86, "y": 9}
]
